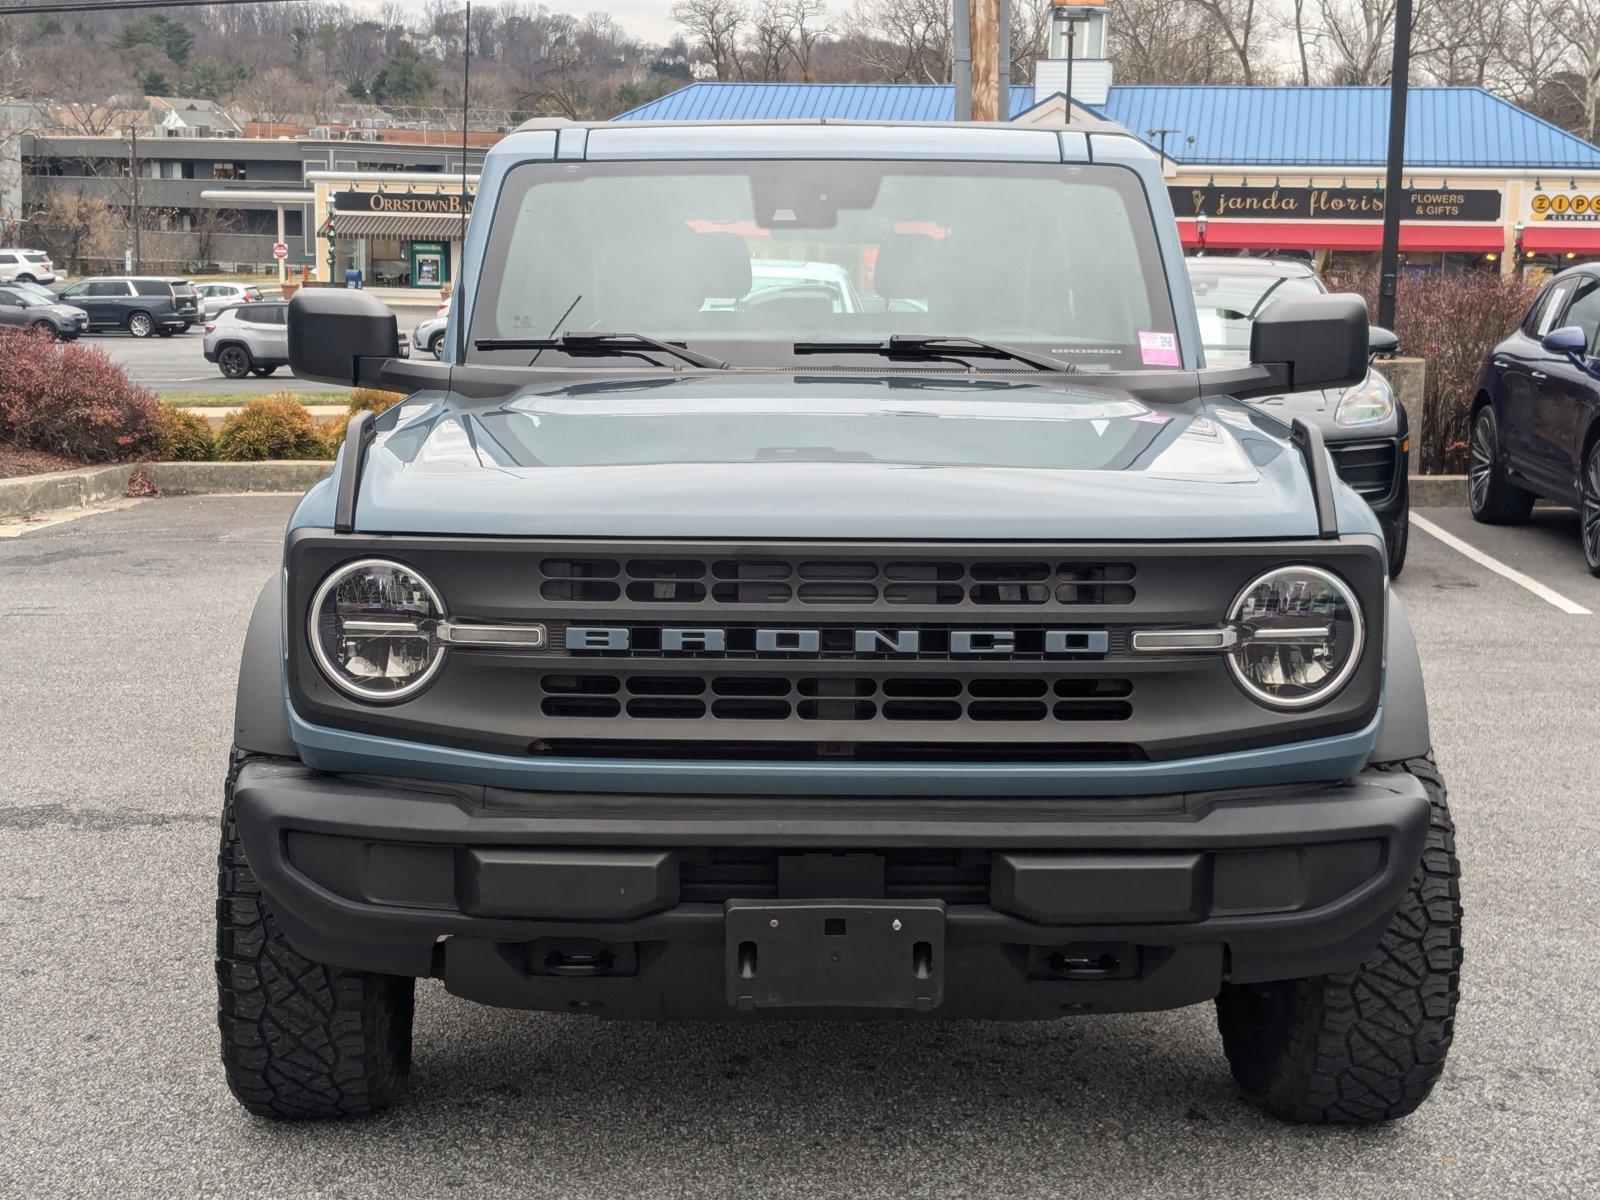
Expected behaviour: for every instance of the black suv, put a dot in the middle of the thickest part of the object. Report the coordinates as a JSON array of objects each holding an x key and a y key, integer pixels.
[{"x": 142, "y": 304}]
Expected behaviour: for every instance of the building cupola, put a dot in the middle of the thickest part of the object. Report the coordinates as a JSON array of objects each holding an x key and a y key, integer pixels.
[{"x": 1077, "y": 65}]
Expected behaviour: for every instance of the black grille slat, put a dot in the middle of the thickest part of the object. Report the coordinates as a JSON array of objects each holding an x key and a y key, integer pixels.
[
  {"x": 714, "y": 584},
  {"x": 864, "y": 699}
]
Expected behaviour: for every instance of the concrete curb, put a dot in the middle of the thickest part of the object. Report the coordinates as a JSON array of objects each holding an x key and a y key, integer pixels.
[
  {"x": 1438, "y": 491},
  {"x": 30, "y": 495}
]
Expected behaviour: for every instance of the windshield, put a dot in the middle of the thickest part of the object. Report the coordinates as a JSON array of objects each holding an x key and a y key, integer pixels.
[
  {"x": 741, "y": 260},
  {"x": 1228, "y": 302}
]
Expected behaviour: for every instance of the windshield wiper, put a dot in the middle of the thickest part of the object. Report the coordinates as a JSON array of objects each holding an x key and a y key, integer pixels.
[
  {"x": 923, "y": 348},
  {"x": 584, "y": 342}
]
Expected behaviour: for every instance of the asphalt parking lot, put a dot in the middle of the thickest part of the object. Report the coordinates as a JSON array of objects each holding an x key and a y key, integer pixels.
[
  {"x": 122, "y": 632},
  {"x": 178, "y": 364}
]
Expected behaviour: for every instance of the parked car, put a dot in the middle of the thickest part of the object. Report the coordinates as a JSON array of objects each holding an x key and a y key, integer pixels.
[
  {"x": 215, "y": 297},
  {"x": 989, "y": 658},
  {"x": 21, "y": 305},
  {"x": 1536, "y": 417},
  {"x": 144, "y": 305},
  {"x": 248, "y": 339},
  {"x": 1364, "y": 427},
  {"x": 429, "y": 335},
  {"x": 29, "y": 266}
]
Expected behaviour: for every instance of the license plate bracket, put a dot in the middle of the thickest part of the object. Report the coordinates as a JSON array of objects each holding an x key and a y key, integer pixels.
[{"x": 835, "y": 954}]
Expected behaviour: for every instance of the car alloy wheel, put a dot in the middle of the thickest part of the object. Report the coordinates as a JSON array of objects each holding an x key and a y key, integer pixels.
[
  {"x": 436, "y": 346},
  {"x": 1480, "y": 460},
  {"x": 140, "y": 325},
  {"x": 234, "y": 361},
  {"x": 1590, "y": 509}
]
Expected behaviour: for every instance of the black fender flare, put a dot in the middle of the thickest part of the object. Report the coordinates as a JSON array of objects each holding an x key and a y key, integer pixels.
[
  {"x": 260, "y": 722},
  {"x": 1403, "y": 732}
]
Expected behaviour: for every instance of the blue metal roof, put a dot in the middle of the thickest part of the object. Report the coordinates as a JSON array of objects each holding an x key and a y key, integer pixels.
[
  {"x": 1345, "y": 126},
  {"x": 1452, "y": 127},
  {"x": 811, "y": 101}
]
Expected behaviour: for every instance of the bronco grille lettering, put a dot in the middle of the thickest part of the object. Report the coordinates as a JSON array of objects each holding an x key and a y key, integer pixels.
[{"x": 790, "y": 641}]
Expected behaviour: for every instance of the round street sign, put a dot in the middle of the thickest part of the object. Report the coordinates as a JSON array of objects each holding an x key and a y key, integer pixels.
[{"x": 280, "y": 250}]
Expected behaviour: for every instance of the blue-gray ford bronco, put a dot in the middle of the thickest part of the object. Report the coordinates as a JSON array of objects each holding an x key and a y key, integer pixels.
[{"x": 823, "y": 578}]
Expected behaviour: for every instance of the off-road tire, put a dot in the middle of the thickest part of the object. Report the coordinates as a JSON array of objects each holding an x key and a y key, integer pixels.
[
  {"x": 1492, "y": 498},
  {"x": 300, "y": 1040},
  {"x": 1364, "y": 1046}
]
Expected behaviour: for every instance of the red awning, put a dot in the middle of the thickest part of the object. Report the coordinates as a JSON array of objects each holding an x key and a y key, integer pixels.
[
  {"x": 1558, "y": 238},
  {"x": 1343, "y": 235}
]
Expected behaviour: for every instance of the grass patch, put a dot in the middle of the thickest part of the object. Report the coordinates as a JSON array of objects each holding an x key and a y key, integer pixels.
[{"x": 235, "y": 399}]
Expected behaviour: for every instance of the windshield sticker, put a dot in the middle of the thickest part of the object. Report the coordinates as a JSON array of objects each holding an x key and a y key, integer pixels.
[{"x": 1158, "y": 349}]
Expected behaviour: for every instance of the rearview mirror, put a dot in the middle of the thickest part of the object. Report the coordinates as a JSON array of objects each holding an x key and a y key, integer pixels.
[
  {"x": 340, "y": 335},
  {"x": 1381, "y": 340},
  {"x": 1569, "y": 339},
  {"x": 1317, "y": 341}
]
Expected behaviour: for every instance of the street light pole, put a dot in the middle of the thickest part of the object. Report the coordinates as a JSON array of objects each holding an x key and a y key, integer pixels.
[
  {"x": 133, "y": 171},
  {"x": 1394, "y": 200}
]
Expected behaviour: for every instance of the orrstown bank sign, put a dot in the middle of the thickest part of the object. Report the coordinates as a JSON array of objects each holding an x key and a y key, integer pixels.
[
  {"x": 442, "y": 204},
  {"x": 1333, "y": 203}
]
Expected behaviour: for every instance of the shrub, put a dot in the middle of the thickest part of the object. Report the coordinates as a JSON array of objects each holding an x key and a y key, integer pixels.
[
  {"x": 184, "y": 436},
  {"x": 273, "y": 426},
  {"x": 1451, "y": 320},
  {"x": 69, "y": 399},
  {"x": 373, "y": 401},
  {"x": 332, "y": 434}
]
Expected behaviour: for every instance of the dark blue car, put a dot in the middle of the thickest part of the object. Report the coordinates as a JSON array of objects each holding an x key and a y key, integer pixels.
[{"x": 1536, "y": 419}]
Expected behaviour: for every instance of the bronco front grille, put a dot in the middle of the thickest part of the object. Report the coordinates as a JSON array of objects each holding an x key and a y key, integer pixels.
[
  {"x": 813, "y": 651},
  {"x": 894, "y": 583}
]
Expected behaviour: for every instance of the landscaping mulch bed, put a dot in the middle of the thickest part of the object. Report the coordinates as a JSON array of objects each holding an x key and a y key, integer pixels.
[{"x": 15, "y": 461}]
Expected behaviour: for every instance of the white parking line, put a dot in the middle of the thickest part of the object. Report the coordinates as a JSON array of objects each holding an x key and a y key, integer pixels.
[{"x": 1547, "y": 594}]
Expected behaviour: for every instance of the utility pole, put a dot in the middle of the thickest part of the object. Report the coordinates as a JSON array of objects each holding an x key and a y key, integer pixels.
[
  {"x": 133, "y": 171},
  {"x": 1394, "y": 199},
  {"x": 985, "y": 60}
]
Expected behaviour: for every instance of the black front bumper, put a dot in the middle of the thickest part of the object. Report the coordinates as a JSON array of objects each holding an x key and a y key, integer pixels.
[{"x": 618, "y": 904}]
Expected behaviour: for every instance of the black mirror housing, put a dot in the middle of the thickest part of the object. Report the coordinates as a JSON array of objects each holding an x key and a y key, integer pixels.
[
  {"x": 1382, "y": 341},
  {"x": 340, "y": 335},
  {"x": 1320, "y": 340}
]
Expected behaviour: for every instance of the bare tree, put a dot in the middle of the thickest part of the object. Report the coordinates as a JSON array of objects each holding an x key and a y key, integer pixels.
[
  {"x": 1357, "y": 37},
  {"x": 275, "y": 95},
  {"x": 808, "y": 25},
  {"x": 715, "y": 28},
  {"x": 1579, "y": 29},
  {"x": 903, "y": 41},
  {"x": 1238, "y": 21},
  {"x": 768, "y": 47},
  {"x": 1158, "y": 41}
]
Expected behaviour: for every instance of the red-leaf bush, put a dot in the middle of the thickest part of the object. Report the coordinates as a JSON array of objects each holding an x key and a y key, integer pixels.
[
  {"x": 1452, "y": 320},
  {"x": 69, "y": 399}
]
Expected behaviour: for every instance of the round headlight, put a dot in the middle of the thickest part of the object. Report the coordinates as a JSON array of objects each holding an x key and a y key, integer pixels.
[
  {"x": 1300, "y": 635},
  {"x": 373, "y": 629}
]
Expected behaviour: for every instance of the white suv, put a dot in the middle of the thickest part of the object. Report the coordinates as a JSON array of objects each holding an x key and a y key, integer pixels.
[{"x": 26, "y": 266}]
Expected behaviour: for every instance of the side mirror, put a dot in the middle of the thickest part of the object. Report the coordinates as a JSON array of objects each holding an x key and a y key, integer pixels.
[
  {"x": 340, "y": 335},
  {"x": 1317, "y": 341},
  {"x": 1568, "y": 340},
  {"x": 1381, "y": 340}
]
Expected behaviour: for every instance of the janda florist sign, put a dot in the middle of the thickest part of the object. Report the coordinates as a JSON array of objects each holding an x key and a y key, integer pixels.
[{"x": 1334, "y": 203}]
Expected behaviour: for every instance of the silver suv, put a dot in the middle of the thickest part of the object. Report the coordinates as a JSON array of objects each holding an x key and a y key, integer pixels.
[{"x": 251, "y": 337}]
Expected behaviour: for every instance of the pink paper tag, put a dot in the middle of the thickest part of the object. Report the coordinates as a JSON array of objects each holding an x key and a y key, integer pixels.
[{"x": 1158, "y": 349}]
